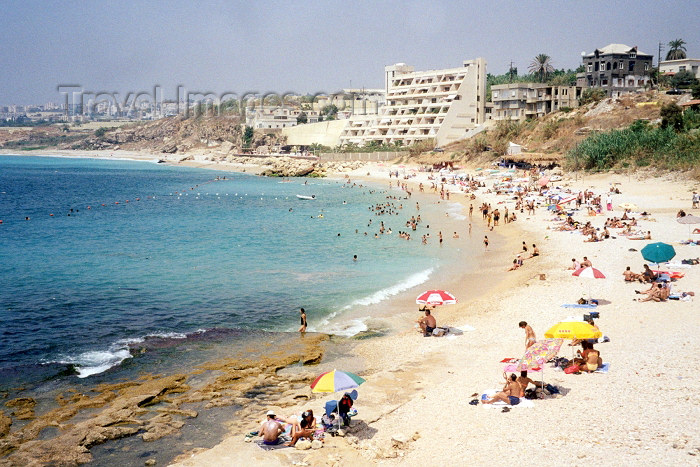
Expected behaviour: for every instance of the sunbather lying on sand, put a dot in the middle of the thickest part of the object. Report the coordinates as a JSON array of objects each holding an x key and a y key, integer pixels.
[{"x": 631, "y": 276}]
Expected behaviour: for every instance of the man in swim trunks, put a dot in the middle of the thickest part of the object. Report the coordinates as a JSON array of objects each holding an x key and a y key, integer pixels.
[
  {"x": 427, "y": 323},
  {"x": 271, "y": 429},
  {"x": 511, "y": 394},
  {"x": 529, "y": 334}
]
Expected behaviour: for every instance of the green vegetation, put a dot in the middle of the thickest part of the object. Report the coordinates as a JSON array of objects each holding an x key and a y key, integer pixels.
[
  {"x": 100, "y": 132},
  {"x": 677, "y": 50},
  {"x": 330, "y": 112},
  {"x": 675, "y": 144},
  {"x": 589, "y": 95},
  {"x": 42, "y": 141},
  {"x": 248, "y": 136},
  {"x": 24, "y": 121},
  {"x": 302, "y": 118},
  {"x": 541, "y": 66}
]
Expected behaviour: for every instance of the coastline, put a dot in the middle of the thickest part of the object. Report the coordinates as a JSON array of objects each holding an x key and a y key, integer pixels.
[{"x": 415, "y": 386}]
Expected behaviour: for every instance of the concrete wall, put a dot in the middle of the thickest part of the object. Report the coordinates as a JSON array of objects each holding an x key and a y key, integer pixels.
[
  {"x": 325, "y": 133},
  {"x": 361, "y": 156}
]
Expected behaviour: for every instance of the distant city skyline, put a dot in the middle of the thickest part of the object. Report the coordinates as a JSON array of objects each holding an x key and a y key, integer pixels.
[{"x": 306, "y": 47}]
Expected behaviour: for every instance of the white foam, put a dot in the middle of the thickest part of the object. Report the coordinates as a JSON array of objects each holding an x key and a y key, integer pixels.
[
  {"x": 454, "y": 210},
  {"x": 411, "y": 281},
  {"x": 94, "y": 362}
]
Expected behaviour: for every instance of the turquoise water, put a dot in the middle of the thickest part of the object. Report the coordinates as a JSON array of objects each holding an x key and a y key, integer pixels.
[{"x": 180, "y": 255}]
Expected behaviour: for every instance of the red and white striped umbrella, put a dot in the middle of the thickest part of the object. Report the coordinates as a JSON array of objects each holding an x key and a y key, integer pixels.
[
  {"x": 589, "y": 273},
  {"x": 436, "y": 297}
]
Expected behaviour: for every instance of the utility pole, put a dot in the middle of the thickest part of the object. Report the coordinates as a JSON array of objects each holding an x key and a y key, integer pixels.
[
  {"x": 510, "y": 71},
  {"x": 658, "y": 65}
]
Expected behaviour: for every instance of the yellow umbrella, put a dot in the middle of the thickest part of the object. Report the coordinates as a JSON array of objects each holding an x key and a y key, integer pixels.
[{"x": 573, "y": 330}]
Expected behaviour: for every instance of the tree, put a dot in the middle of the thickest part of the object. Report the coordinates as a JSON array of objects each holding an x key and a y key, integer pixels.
[
  {"x": 541, "y": 65},
  {"x": 100, "y": 132},
  {"x": 671, "y": 116},
  {"x": 330, "y": 111},
  {"x": 683, "y": 80},
  {"x": 677, "y": 50},
  {"x": 302, "y": 118},
  {"x": 696, "y": 91},
  {"x": 248, "y": 134}
]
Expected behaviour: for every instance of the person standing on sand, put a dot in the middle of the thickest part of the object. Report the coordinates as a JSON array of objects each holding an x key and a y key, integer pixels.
[
  {"x": 486, "y": 242},
  {"x": 529, "y": 334},
  {"x": 302, "y": 328}
]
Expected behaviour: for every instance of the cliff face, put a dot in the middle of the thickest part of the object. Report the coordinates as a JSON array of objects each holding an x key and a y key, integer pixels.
[{"x": 177, "y": 135}]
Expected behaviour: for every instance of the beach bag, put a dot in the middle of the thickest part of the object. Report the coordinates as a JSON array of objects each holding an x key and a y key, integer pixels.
[
  {"x": 439, "y": 332},
  {"x": 571, "y": 369}
]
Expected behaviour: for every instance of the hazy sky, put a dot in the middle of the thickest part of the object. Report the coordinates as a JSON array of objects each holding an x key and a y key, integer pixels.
[{"x": 306, "y": 46}]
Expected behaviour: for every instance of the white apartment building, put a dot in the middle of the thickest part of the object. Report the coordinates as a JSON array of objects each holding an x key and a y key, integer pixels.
[
  {"x": 277, "y": 117},
  {"x": 435, "y": 104},
  {"x": 685, "y": 64}
]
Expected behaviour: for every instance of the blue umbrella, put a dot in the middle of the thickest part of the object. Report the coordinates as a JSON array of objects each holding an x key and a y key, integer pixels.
[{"x": 658, "y": 252}]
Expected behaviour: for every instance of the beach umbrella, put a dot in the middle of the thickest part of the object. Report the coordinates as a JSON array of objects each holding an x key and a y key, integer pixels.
[
  {"x": 537, "y": 355},
  {"x": 572, "y": 330},
  {"x": 334, "y": 381},
  {"x": 689, "y": 220},
  {"x": 630, "y": 206},
  {"x": 543, "y": 181},
  {"x": 436, "y": 297},
  {"x": 589, "y": 273},
  {"x": 658, "y": 252}
]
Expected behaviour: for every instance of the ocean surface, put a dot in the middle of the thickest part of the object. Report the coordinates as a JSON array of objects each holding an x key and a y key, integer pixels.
[{"x": 101, "y": 256}]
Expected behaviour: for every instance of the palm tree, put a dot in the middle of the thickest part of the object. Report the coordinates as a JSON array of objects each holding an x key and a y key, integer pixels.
[
  {"x": 541, "y": 65},
  {"x": 677, "y": 50}
]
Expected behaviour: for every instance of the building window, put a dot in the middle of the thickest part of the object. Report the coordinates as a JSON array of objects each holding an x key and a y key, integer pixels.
[
  {"x": 590, "y": 67},
  {"x": 495, "y": 94},
  {"x": 631, "y": 65},
  {"x": 622, "y": 65},
  {"x": 512, "y": 94},
  {"x": 614, "y": 65},
  {"x": 633, "y": 54},
  {"x": 646, "y": 67},
  {"x": 681, "y": 68}
]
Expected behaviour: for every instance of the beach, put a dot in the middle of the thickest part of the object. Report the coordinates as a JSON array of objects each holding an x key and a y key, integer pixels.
[{"x": 414, "y": 407}]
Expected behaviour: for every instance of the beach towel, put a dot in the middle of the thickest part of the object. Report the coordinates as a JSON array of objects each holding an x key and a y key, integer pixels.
[
  {"x": 272, "y": 447},
  {"x": 604, "y": 368},
  {"x": 576, "y": 305},
  {"x": 524, "y": 403}
]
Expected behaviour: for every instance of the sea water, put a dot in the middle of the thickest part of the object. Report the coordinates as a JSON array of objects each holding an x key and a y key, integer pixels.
[{"x": 98, "y": 256}]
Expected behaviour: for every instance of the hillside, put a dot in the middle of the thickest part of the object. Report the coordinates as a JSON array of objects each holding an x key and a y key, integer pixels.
[{"x": 551, "y": 137}]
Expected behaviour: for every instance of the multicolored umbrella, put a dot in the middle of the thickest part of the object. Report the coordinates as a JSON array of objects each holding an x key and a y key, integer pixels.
[
  {"x": 436, "y": 297},
  {"x": 537, "y": 355},
  {"x": 334, "y": 381},
  {"x": 658, "y": 252},
  {"x": 573, "y": 330}
]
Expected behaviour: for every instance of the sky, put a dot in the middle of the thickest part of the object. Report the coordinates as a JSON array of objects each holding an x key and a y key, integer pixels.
[{"x": 306, "y": 46}]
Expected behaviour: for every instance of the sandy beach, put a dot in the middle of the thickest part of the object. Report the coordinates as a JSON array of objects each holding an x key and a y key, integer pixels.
[{"x": 414, "y": 406}]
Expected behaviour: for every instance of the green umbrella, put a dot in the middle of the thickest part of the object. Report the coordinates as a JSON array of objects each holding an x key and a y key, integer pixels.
[{"x": 658, "y": 252}]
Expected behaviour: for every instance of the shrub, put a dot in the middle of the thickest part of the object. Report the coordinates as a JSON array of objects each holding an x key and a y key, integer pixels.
[{"x": 591, "y": 95}]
